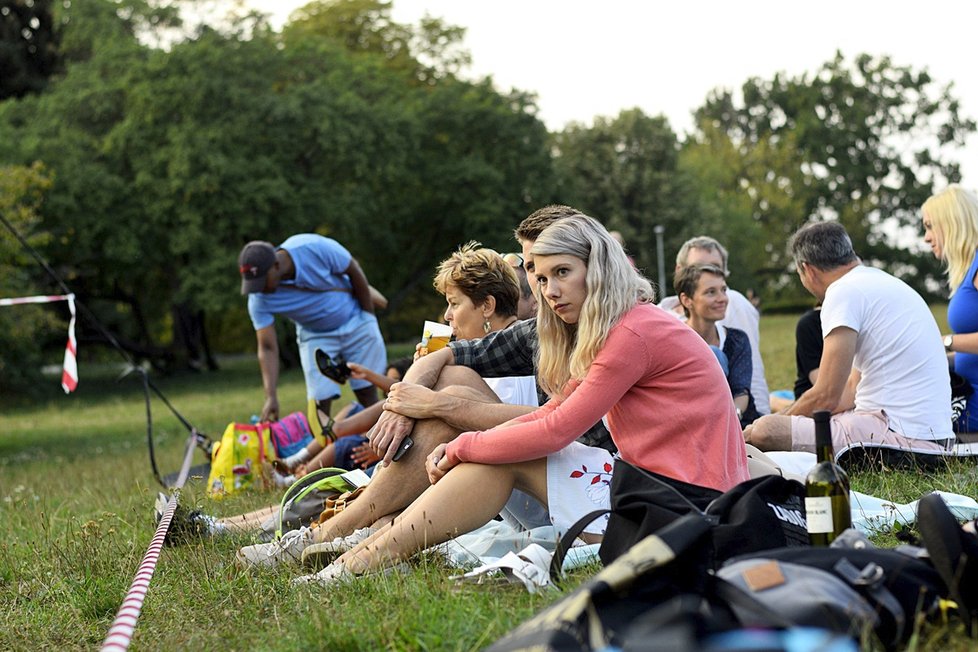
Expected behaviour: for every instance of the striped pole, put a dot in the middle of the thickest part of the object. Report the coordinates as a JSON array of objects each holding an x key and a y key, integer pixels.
[{"x": 124, "y": 626}]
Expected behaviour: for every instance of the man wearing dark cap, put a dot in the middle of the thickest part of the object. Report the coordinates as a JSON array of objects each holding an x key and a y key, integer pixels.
[{"x": 315, "y": 282}]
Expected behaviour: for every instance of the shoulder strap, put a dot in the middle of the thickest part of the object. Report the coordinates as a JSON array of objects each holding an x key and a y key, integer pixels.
[
  {"x": 871, "y": 580},
  {"x": 566, "y": 541},
  {"x": 308, "y": 480}
]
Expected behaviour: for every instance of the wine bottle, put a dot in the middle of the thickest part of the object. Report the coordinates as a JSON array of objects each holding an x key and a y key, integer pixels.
[{"x": 827, "y": 508}]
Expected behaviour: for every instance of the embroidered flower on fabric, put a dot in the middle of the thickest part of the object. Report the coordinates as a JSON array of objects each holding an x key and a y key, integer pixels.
[{"x": 599, "y": 482}]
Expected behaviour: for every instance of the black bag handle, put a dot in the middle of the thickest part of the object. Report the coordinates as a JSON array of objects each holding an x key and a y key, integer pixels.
[
  {"x": 574, "y": 531},
  {"x": 566, "y": 541},
  {"x": 871, "y": 580}
]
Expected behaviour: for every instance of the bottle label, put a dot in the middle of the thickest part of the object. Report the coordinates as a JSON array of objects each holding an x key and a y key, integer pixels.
[{"x": 818, "y": 514}]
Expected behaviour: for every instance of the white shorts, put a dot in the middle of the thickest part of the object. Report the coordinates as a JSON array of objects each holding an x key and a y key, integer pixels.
[{"x": 579, "y": 482}]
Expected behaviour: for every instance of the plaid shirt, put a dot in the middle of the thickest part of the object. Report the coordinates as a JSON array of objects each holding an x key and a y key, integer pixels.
[{"x": 513, "y": 352}]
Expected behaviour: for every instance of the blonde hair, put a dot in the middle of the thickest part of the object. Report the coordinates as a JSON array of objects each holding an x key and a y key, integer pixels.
[
  {"x": 480, "y": 273},
  {"x": 953, "y": 214},
  {"x": 613, "y": 287}
]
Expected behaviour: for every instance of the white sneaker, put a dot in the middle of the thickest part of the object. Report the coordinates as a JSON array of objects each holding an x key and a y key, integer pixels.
[
  {"x": 162, "y": 500},
  {"x": 320, "y": 555},
  {"x": 332, "y": 574},
  {"x": 288, "y": 549},
  {"x": 338, "y": 574}
]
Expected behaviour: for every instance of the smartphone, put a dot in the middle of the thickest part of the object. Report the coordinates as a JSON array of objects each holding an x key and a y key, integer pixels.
[{"x": 405, "y": 446}]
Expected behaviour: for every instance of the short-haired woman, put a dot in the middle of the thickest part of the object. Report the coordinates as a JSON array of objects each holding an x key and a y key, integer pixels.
[{"x": 702, "y": 292}]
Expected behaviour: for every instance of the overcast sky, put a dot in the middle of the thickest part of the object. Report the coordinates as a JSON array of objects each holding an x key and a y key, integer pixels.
[{"x": 596, "y": 58}]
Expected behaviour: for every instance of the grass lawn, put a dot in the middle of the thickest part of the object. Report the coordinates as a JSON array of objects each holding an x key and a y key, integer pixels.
[{"x": 76, "y": 496}]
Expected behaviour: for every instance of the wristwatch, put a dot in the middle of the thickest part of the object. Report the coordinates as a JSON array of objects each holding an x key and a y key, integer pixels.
[{"x": 948, "y": 342}]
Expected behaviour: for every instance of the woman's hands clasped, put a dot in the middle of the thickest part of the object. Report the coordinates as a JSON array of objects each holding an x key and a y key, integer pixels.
[{"x": 436, "y": 464}]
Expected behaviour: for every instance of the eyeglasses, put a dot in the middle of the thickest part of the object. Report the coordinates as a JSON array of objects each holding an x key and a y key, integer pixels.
[{"x": 514, "y": 259}]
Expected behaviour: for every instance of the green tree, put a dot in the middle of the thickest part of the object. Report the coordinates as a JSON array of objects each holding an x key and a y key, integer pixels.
[
  {"x": 28, "y": 47},
  {"x": 167, "y": 162},
  {"x": 25, "y": 329},
  {"x": 862, "y": 142},
  {"x": 724, "y": 207},
  {"x": 429, "y": 51},
  {"x": 624, "y": 171}
]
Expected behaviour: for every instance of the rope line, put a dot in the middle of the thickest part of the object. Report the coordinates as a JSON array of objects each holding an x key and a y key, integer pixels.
[
  {"x": 122, "y": 629},
  {"x": 124, "y": 626}
]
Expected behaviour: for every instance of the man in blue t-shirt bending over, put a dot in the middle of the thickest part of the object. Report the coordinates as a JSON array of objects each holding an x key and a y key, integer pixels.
[{"x": 315, "y": 282}]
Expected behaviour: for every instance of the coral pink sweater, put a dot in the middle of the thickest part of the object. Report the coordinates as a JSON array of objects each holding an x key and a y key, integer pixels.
[{"x": 668, "y": 406}]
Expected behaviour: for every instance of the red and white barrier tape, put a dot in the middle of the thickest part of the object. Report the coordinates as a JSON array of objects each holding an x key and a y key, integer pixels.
[
  {"x": 69, "y": 376},
  {"x": 124, "y": 626}
]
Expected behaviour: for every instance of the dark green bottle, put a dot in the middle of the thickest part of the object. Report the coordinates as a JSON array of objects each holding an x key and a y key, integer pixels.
[{"x": 827, "y": 508}]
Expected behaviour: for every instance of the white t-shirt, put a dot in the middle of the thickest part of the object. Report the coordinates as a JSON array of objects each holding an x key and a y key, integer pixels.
[
  {"x": 515, "y": 390},
  {"x": 741, "y": 314},
  {"x": 898, "y": 351}
]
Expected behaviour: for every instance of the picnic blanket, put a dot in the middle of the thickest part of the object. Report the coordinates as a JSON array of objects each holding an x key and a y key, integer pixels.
[{"x": 872, "y": 514}]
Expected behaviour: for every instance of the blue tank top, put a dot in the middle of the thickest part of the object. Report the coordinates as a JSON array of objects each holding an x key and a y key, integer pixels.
[{"x": 962, "y": 317}]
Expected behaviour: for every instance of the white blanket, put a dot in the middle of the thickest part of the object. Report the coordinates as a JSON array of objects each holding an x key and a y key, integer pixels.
[{"x": 870, "y": 514}]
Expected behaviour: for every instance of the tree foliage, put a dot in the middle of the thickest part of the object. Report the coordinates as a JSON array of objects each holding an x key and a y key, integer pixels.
[
  {"x": 23, "y": 328},
  {"x": 156, "y": 165},
  {"x": 624, "y": 171},
  {"x": 430, "y": 51},
  {"x": 29, "y": 40},
  {"x": 167, "y": 162},
  {"x": 862, "y": 142}
]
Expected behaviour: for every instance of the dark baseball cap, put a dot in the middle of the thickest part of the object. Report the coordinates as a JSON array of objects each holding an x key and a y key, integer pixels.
[{"x": 255, "y": 260}]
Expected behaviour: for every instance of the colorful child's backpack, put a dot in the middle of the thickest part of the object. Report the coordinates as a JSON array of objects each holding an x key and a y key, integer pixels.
[
  {"x": 239, "y": 459},
  {"x": 291, "y": 434}
]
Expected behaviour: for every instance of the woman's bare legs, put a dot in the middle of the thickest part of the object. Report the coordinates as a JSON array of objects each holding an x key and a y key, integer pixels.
[
  {"x": 250, "y": 522},
  {"x": 395, "y": 487},
  {"x": 465, "y": 499}
]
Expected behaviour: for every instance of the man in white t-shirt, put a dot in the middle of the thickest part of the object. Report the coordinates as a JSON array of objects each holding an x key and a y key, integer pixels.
[
  {"x": 741, "y": 313},
  {"x": 883, "y": 372}
]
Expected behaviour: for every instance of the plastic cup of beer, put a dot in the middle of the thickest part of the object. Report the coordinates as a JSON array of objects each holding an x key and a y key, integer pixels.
[{"x": 435, "y": 336}]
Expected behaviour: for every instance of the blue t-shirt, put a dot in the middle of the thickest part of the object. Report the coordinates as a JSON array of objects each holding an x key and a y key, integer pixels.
[
  {"x": 962, "y": 317},
  {"x": 320, "y": 297}
]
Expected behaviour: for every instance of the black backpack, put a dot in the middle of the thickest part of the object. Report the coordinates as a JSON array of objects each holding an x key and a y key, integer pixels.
[
  {"x": 662, "y": 594},
  {"x": 757, "y": 514}
]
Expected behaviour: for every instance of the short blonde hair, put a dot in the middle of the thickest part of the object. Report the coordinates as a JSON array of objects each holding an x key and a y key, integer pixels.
[
  {"x": 480, "y": 273},
  {"x": 613, "y": 287},
  {"x": 953, "y": 214}
]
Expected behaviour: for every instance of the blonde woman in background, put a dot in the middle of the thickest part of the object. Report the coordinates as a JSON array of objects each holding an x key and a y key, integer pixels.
[{"x": 950, "y": 220}]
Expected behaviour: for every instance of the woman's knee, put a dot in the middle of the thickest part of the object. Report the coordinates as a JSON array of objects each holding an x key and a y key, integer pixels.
[
  {"x": 755, "y": 433},
  {"x": 469, "y": 392},
  {"x": 458, "y": 376},
  {"x": 767, "y": 432}
]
